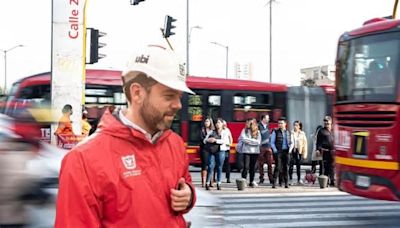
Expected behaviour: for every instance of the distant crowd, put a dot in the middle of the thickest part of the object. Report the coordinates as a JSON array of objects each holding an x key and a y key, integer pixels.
[{"x": 258, "y": 144}]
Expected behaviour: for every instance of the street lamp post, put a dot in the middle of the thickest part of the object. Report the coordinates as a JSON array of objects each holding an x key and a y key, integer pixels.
[
  {"x": 188, "y": 46},
  {"x": 5, "y": 64},
  {"x": 227, "y": 55}
]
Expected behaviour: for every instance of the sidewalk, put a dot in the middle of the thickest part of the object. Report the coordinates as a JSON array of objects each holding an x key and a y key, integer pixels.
[{"x": 266, "y": 187}]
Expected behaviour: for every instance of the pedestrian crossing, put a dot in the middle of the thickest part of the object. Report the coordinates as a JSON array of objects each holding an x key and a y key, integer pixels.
[{"x": 313, "y": 209}]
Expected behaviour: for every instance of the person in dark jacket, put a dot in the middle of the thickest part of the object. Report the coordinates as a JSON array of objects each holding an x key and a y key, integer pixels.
[
  {"x": 265, "y": 149},
  {"x": 207, "y": 128},
  {"x": 325, "y": 146},
  {"x": 280, "y": 143}
]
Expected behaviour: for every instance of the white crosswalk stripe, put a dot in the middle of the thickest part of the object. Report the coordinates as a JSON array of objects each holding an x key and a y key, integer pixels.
[{"x": 306, "y": 210}]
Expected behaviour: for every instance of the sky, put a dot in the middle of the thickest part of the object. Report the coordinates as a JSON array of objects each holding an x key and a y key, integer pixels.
[{"x": 304, "y": 33}]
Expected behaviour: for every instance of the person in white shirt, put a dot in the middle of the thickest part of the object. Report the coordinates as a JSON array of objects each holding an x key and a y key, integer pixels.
[
  {"x": 227, "y": 165},
  {"x": 298, "y": 149},
  {"x": 217, "y": 143}
]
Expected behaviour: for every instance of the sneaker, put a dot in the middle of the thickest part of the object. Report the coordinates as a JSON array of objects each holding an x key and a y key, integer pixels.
[
  {"x": 255, "y": 184},
  {"x": 286, "y": 186},
  {"x": 251, "y": 185},
  {"x": 228, "y": 180},
  {"x": 261, "y": 181}
]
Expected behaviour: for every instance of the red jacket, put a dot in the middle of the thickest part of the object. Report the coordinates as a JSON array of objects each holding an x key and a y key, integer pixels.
[{"x": 117, "y": 178}]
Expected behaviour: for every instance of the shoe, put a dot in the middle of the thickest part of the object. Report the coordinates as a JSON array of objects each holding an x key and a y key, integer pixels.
[
  {"x": 286, "y": 186},
  {"x": 251, "y": 185},
  {"x": 207, "y": 187},
  {"x": 261, "y": 181},
  {"x": 228, "y": 180},
  {"x": 255, "y": 184},
  {"x": 211, "y": 185},
  {"x": 218, "y": 187},
  {"x": 273, "y": 185}
]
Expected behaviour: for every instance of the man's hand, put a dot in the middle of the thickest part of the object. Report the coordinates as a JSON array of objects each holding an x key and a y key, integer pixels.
[{"x": 182, "y": 196}]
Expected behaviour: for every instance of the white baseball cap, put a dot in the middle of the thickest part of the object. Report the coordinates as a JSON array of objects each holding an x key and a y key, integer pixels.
[{"x": 161, "y": 64}]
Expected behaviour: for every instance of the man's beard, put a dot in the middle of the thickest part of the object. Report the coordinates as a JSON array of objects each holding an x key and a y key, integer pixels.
[{"x": 153, "y": 118}]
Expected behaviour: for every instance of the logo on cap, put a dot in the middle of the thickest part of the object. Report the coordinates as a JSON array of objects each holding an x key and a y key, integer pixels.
[
  {"x": 182, "y": 75},
  {"x": 142, "y": 59}
]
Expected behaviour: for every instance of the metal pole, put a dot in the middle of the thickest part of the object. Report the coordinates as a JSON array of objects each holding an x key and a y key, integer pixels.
[
  {"x": 226, "y": 71},
  {"x": 187, "y": 37},
  {"x": 5, "y": 72},
  {"x": 270, "y": 41},
  {"x": 5, "y": 64}
]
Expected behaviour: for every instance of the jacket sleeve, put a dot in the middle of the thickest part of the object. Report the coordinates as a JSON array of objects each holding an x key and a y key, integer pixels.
[
  {"x": 77, "y": 205},
  {"x": 320, "y": 138},
  {"x": 292, "y": 142},
  {"x": 305, "y": 147},
  {"x": 273, "y": 135}
]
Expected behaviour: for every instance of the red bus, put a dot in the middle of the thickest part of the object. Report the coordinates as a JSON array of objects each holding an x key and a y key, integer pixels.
[
  {"x": 367, "y": 110},
  {"x": 232, "y": 100}
]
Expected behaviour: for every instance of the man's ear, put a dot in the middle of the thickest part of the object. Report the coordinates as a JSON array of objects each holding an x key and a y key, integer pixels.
[{"x": 137, "y": 93}]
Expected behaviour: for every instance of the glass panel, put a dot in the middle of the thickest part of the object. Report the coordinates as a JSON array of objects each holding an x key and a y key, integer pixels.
[
  {"x": 214, "y": 100},
  {"x": 367, "y": 68},
  {"x": 91, "y": 99},
  {"x": 195, "y": 100},
  {"x": 106, "y": 100},
  {"x": 96, "y": 92},
  {"x": 194, "y": 133},
  {"x": 250, "y": 106},
  {"x": 119, "y": 98}
]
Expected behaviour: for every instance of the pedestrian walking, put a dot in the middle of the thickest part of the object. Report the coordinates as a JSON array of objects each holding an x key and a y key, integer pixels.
[
  {"x": 280, "y": 143},
  {"x": 64, "y": 124},
  {"x": 298, "y": 150},
  {"x": 239, "y": 145},
  {"x": 325, "y": 146},
  {"x": 133, "y": 172},
  {"x": 251, "y": 149},
  {"x": 316, "y": 157},
  {"x": 227, "y": 164},
  {"x": 265, "y": 149},
  {"x": 207, "y": 128},
  {"x": 86, "y": 127}
]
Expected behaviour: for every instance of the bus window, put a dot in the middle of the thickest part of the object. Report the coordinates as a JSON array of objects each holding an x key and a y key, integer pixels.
[
  {"x": 35, "y": 92},
  {"x": 195, "y": 117},
  {"x": 250, "y": 105},
  {"x": 214, "y": 106},
  {"x": 176, "y": 123}
]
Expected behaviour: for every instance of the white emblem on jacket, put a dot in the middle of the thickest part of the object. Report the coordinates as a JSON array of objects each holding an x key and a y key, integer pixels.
[{"x": 129, "y": 161}]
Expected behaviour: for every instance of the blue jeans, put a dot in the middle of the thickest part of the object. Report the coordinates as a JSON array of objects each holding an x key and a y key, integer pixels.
[{"x": 212, "y": 159}]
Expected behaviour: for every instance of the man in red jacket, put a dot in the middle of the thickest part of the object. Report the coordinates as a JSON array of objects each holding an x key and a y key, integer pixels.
[{"x": 133, "y": 171}]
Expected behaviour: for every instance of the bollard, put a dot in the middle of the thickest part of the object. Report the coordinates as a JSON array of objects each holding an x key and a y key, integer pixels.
[
  {"x": 241, "y": 184},
  {"x": 323, "y": 181}
]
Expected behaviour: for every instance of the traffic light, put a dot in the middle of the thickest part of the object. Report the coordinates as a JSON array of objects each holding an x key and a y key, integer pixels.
[
  {"x": 95, "y": 45},
  {"x": 168, "y": 26},
  {"x": 136, "y": 2}
]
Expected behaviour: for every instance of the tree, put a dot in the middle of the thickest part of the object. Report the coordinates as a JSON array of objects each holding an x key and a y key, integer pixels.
[{"x": 308, "y": 82}]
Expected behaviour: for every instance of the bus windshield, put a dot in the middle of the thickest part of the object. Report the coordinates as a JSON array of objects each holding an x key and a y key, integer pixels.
[{"x": 367, "y": 68}]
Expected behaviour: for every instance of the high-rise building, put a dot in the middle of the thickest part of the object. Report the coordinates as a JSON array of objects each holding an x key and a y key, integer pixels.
[
  {"x": 321, "y": 75},
  {"x": 243, "y": 70}
]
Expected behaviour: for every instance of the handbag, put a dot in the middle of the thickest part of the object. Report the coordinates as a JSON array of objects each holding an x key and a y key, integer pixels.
[
  {"x": 214, "y": 148},
  {"x": 239, "y": 147}
]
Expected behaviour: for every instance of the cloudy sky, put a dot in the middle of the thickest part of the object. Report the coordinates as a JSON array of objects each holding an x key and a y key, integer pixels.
[{"x": 304, "y": 33}]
